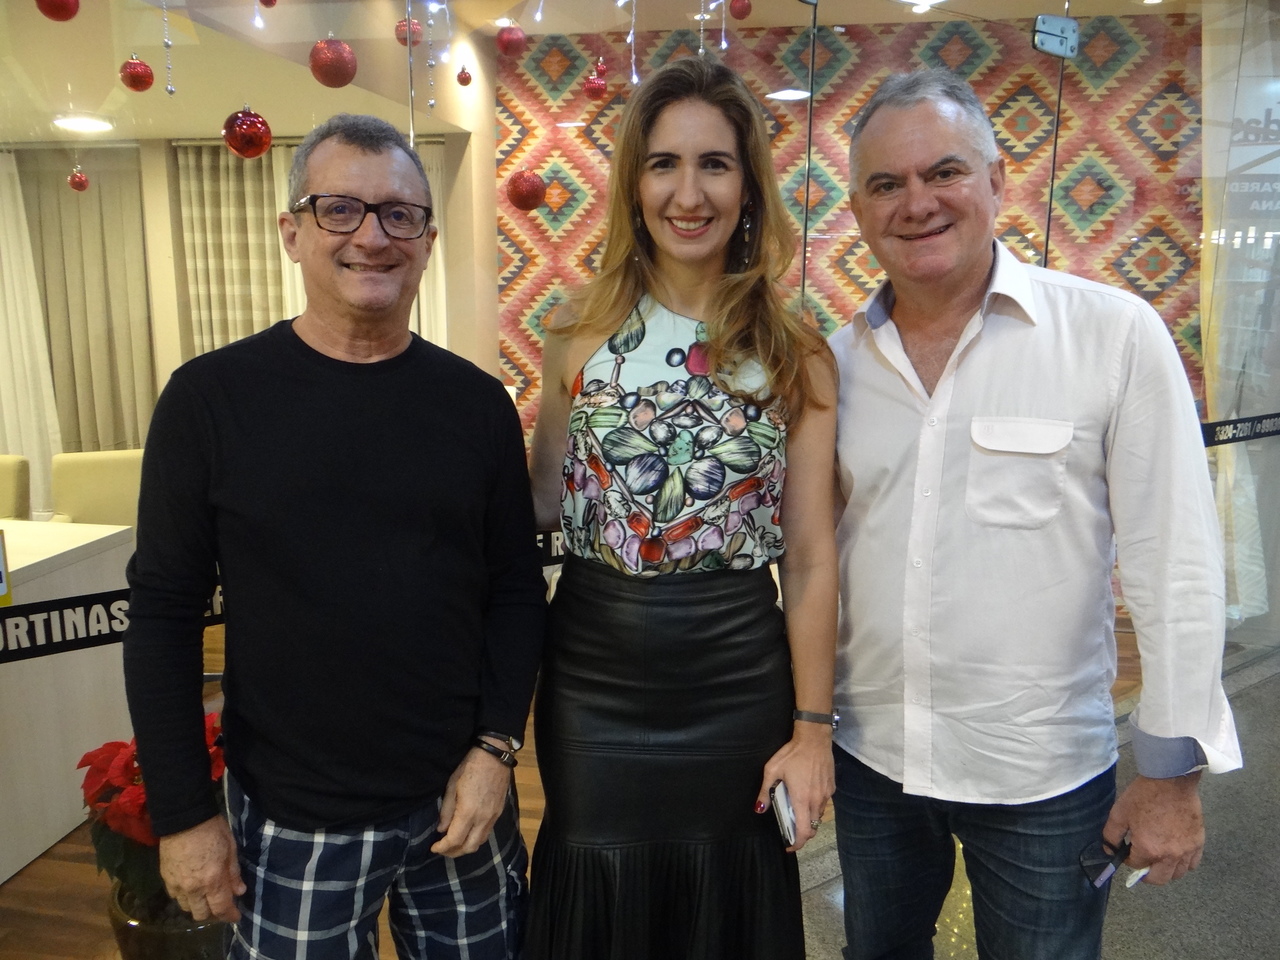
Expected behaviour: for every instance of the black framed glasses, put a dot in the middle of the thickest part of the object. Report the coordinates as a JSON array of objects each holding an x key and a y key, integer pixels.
[
  {"x": 1100, "y": 860},
  {"x": 341, "y": 214}
]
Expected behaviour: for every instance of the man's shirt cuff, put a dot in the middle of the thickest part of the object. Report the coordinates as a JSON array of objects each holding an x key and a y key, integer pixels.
[{"x": 1159, "y": 758}]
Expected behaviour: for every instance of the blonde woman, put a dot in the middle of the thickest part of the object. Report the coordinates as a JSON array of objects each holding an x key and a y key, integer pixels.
[{"x": 684, "y": 444}]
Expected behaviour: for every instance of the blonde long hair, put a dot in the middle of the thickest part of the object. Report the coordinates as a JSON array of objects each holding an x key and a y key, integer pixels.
[{"x": 750, "y": 318}]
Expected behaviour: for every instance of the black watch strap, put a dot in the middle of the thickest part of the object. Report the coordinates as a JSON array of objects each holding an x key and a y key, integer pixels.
[{"x": 810, "y": 717}]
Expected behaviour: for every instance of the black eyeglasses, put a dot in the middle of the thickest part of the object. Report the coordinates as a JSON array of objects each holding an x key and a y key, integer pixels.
[
  {"x": 1100, "y": 860},
  {"x": 339, "y": 214}
]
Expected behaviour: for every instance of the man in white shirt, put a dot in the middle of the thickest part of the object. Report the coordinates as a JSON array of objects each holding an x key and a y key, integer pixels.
[{"x": 1004, "y": 432}]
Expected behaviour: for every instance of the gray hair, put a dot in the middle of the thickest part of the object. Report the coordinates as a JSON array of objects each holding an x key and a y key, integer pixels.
[
  {"x": 904, "y": 90},
  {"x": 370, "y": 134}
]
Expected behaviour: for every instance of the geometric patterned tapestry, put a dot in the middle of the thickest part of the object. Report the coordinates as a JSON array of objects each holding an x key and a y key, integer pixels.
[{"x": 1125, "y": 199}]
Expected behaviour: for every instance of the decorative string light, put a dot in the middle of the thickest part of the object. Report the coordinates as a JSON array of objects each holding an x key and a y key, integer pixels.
[
  {"x": 724, "y": 13},
  {"x": 442, "y": 6},
  {"x": 702, "y": 28},
  {"x": 537, "y": 16},
  {"x": 431, "y": 58},
  {"x": 631, "y": 39},
  {"x": 168, "y": 50},
  {"x": 408, "y": 22},
  {"x": 257, "y": 16}
]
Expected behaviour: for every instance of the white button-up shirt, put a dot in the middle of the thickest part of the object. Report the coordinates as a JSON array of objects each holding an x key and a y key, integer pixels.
[{"x": 980, "y": 532}]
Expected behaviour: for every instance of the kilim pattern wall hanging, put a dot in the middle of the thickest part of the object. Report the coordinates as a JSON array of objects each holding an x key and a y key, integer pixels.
[{"x": 1126, "y": 197}]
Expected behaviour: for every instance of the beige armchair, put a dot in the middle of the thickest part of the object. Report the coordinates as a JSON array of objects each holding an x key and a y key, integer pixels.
[
  {"x": 15, "y": 487},
  {"x": 98, "y": 486}
]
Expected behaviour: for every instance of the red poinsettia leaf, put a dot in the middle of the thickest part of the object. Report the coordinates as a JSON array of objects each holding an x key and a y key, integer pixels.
[
  {"x": 212, "y": 731},
  {"x": 98, "y": 761},
  {"x": 127, "y": 814},
  {"x": 212, "y": 728},
  {"x": 124, "y": 770}
]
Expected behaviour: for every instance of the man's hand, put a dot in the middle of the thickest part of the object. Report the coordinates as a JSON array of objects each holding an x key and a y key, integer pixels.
[
  {"x": 1165, "y": 826},
  {"x": 473, "y": 801},
  {"x": 201, "y": 871}
]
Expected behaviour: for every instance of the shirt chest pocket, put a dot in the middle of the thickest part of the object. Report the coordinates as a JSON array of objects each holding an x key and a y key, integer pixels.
[{"x": 1017, "y": 470}]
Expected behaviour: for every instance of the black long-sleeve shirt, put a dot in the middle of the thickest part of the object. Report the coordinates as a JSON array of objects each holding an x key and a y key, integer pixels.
[{"x": 373, "y": 529}]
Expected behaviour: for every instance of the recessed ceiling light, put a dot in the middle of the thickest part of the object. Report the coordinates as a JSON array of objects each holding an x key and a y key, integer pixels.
[
  {"x": 788, "y": 94},
  {"x": 82, "y": 123}
]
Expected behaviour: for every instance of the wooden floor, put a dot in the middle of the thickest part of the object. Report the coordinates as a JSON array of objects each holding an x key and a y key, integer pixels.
[{"x": 55, "y": 908}]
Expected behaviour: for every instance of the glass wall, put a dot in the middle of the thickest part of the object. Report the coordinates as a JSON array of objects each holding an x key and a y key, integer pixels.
[{"x": 1122, "y": 164}]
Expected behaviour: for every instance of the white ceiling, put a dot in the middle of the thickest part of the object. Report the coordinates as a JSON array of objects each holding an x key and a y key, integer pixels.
[{"x": 221, "y": 61}]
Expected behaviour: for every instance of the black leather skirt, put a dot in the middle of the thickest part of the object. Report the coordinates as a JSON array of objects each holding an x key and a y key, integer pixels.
[{"x": 659, "y": 703}]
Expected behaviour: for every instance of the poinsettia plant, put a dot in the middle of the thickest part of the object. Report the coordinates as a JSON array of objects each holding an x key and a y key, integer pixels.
[{"x": 127, "y": 849}]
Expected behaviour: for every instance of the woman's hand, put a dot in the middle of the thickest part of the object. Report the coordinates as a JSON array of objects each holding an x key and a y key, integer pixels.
[{"x": 805, "y": 765}]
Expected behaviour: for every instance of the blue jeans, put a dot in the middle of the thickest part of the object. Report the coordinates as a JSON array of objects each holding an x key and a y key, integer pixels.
[{"x": 1031, "y": 900}]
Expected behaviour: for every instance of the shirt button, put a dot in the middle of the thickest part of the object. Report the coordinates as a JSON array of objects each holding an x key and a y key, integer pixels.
[
  {"x": 933, "y": 421},
  {"x": 915, "y": 633},
  {"x": 926, "y": 491},
  {"x": 915, "y": 699},
  {"x": 917, "y": 562}
]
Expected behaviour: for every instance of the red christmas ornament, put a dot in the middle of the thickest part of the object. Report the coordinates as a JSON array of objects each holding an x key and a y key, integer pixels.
[
  {"x": 77, "y": 181},
  {"x": 136, "y": 74},
  {"x": 333, "y": 63},
  {"x": 464, "y": 78},
  {"x": 267, "y": 3},
  {"x": 406, "y": 27},
  {"x": 739, "y": 9},
  {"x": 596, "y": 87},
  {"x": 246, "y": 134},
  {"x": 511, "y": 41},
  {"x": 526, "y": 190},
  {"x": 59, "y": 10}
]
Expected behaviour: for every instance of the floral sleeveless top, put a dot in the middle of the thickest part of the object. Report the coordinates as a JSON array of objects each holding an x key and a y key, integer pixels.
[{"x": 664, "y": 471}]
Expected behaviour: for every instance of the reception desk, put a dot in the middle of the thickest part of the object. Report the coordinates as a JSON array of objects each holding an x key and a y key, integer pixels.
[{"x": 61, "y": 684}]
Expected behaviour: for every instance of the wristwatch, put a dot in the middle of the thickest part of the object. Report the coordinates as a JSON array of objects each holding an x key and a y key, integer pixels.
[{"x": 810, "y": 717}]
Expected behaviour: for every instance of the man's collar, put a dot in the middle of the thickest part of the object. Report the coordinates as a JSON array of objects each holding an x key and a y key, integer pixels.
[{"x": 1009, "y": 279}]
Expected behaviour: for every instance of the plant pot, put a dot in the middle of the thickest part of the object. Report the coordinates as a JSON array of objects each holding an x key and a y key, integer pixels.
[{"x": 176, "y": 938}]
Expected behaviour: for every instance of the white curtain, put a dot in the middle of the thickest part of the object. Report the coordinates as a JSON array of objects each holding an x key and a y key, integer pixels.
[
  {"x": 28, "y": 415},
  {"x": 241, "y": 280},
  {"x": 429, "y": 309},
  {"x": 90, "y": 262},
  {"x": 233, "y": 256}
]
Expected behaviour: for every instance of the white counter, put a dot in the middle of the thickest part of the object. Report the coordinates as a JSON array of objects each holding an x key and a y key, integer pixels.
[{"x": 56, "y": 702}]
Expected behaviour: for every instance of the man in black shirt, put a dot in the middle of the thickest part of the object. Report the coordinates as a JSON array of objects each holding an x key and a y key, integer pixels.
[{"x": 363, "y": 496}]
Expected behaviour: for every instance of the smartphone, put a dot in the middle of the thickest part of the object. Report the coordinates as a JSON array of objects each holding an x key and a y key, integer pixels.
[{"x": 784, "y": 812}]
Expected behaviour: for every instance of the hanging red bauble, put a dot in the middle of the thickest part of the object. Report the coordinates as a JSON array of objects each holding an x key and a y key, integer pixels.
[
  {"x": 464, "y": 78},
  {"x": 59, "y": 10},
  {"x": 511, "y": 40},
  {"x": 136, "y": 74},
  {"x": 596, "y": 87},
  {"x": 407, "y": 27},
  {"x": 77, "y": 181},
  {"x": 739, "y": 9},
  {"x": 333, "y": 63},
  {"x": 526, "y": 190},
  {"x": 246, "y": 134},
  {"x": 267, "y": 3}
]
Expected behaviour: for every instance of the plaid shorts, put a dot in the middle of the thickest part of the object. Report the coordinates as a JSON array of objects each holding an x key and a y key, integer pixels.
[{"x": 317, "y": 896}]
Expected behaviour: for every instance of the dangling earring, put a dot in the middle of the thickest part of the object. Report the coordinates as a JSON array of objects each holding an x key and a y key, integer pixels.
[
  {"x": 746, "y": 238},
  {"x": 638, "y": 224}
]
